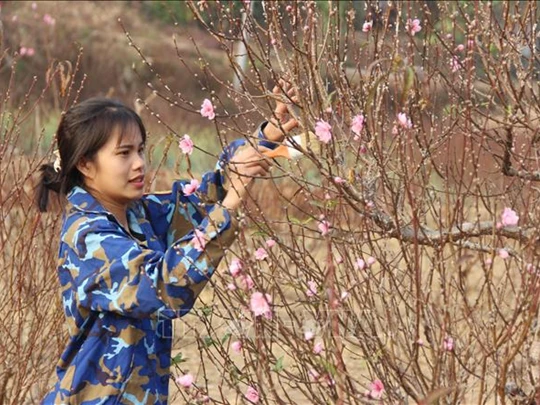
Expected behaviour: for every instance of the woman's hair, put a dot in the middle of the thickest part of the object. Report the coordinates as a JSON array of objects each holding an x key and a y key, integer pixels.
[{"x": 82, "y": 131}]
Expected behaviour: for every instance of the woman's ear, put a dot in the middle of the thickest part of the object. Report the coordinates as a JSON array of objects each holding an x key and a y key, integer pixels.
[{"x": 86, "y": 167}]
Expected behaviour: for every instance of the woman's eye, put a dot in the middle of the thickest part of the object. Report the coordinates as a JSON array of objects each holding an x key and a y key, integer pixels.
[{"x": 124, "y": 153}]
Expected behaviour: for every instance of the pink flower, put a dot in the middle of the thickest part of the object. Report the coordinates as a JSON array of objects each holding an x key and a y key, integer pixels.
[
  {"x": 395, "y": 130},
  {"x": 185, "y": 381},
  {"x": 509, "y": 217},
  {"x": 252, "y": 395},
  {"x": 14, "y": 18},
  {"x": 455, "y": 64},
  {"x": 318, "y": 348},
  {"x": 420, "y": 342},
  {"x": 404, "y": 121},
  {"x": 413, "y": 26},
  {"x": 460, "y": 48},
  {"x": 448, "y": 344},
  {"x": 323, "y": 131},
  {"x": 34, "y": 5},
  {"x": 344, "y": 295},
  {"x": 376, "y": 389},
  {"x": 26, "y": 51},
  {"x": 236, "y": 267},
  {"x": 190, "y": 188},
  {"x": 324, "y": 227},
  {"x": 470, "y": 43},
  {"x": 207, "y": 109},
  {"x": 314, "y": 374},
  {"x": 236, "y": 346},
  {"x": 371, "y": 260},
  {"x": 186, "y": 145},
  {"x": 199, "y": 241},
  {"x": 47, "y": 19},
  {"x": 360, "y": 264},
  {"x": 246, "y": 282},
  {"x": 312, "y": 288},
  {"x": 358, "y": 124},
  {"x": 503, "y": 254},
  {"x": 231, "y": 287},
  {"x": 338, "y": 180},
  {"x": 270, "y": 243},
  {"x": 260, "y": 254},
  {"x": 260, "y": 304},
  {"x": 367, "y": 26},
  {"x": 308, "y": 335}
]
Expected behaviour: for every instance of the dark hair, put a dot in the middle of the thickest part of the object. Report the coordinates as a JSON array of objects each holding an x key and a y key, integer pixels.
[{"x": 82, "y": 131}]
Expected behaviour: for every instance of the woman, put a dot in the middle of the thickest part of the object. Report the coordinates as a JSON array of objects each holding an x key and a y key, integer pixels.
[{"x": 129, "y": 263}]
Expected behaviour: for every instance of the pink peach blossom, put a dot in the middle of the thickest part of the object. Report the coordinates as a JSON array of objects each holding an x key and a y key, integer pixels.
[
  {"x": 371, "y": 260},
  {"x": 404, "y": 121},
  {"x": 185, "y": 381},
  {"x": 338, "y": 180},
  {"x": 448, "y": 344},
  {"x": 455, "y": 64},
  {"x": 260, "y": 304},
  {"x": 312, "y": 288},
  {"x": 308, "y": 335},
  {"x": 207, "y": 109},
  {"x": 318, "y": 348},
  {"x": 360, "y": 264},
  {"x": 270, "y": 243},
  {"x": 358, "y": 124},
  {"x": 460, "y": 48},
  {"x": 199, "y": 241},
  {"x": 47, "y": 19},
  {"x": 236, "y": 267},
  {"x": 503, "y": 253},
  {"x": 376, "y": 389},
  {"x": 509, "y": 217},
  {"x": 314, "y": 375},
  {"x": 261, "y": 254},
  {"x": 323, "y": 131},
  {"x": 236, "y": 346},
  {"x": 186, "y": 145},
  {"x": 252, "y": 395},
  {"x": 413, "y": 26},
  {"x": 246, "y": 282},
  {"x": 189, "y": 189},
  {"x": 231, "y": 286},
  {"x": 367, "y": 26},
  {"x": 324, "y": 227}
]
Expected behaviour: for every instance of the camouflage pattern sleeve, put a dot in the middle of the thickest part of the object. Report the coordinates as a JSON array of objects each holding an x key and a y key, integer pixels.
[{"x": 115, "y": 273}]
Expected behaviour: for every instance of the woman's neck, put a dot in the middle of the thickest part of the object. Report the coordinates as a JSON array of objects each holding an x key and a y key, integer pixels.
[{"x": 119, "y": 210}]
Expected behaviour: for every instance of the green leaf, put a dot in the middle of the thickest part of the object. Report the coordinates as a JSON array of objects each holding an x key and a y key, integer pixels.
[
  {"x": 206, "y": 310},
  {"x": 279, "y": 365},
  {"x": 226, "y": 337},
  {"x": 208, "y": 341},
  {"x": 179, "y": 358}
]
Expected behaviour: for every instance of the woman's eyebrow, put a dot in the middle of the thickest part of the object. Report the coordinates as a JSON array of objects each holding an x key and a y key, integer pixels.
[{"x": 129, "y": 146}]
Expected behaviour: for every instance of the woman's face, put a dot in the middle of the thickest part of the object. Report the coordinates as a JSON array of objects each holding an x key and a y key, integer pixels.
[{"x": 116, "y": 174}]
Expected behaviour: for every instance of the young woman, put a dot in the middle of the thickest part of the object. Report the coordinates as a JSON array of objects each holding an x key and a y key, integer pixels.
[{"x": 131, "y": 262}]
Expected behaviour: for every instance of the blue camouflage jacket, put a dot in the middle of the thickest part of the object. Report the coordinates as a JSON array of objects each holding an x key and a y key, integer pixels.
[{"x": 120, "y": 289}]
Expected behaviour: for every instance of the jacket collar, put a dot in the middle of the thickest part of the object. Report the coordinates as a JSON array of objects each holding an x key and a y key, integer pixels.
[{"x": 81, "y": 200}]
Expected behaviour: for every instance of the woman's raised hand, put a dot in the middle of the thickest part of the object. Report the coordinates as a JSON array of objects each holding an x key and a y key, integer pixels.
[{"x": 275, "y": 131}]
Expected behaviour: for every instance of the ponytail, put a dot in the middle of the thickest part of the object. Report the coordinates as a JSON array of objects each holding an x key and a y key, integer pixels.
[{"x": 50, "y": 180}]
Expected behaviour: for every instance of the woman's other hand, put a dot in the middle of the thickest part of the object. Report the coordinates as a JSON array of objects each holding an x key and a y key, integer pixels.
[{"x": 246, "y": 165}]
